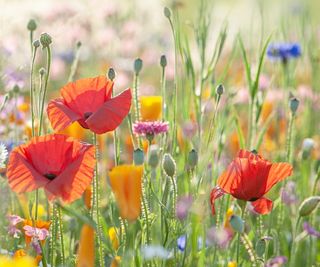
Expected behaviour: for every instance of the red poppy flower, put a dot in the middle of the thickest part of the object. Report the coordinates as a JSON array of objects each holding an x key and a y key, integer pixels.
[
  {"x": 249, "y": 177},
  {"x": 89, "y": 102},
  {"x": 63, "y": 166}
]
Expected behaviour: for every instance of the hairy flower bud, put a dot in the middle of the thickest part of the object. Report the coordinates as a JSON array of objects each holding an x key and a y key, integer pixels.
[
  {"x": 167, "y": 12},
  {"x": 137, "y": 65},
  {"x": 308, "y": 205},
  {"x": 111, "y": 74},
  {"x": 153, "y": 159},
  {"x": 220, "y": 89},
  {"x": 163, "y": 61},
  {"x": 32, "y": 25},
  {"x": 193, "y": 158},
  {"x": 36, "y": 43},
  {"x": 294, "y": 104},
  {"x": 138, "y": 156},
  {"x": 45, "y": 40},
  {"x": 169, "y": 165}
]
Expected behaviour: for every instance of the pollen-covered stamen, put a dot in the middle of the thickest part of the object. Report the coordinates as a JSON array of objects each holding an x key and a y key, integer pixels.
[
  {"x": 50, "y": 176},
  {"x": 86, "y": 115}
]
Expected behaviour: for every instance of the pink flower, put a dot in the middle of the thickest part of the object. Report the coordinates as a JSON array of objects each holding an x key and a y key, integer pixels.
[
  {"x": 183, "y": 206},
  {"x": 150, "y": 128},
  {"x": 13, "y": 221},
  {"x": 39, "y": 233}
]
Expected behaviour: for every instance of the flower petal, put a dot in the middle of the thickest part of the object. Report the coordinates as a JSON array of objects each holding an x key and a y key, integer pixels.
[
  {"x": 76, "y": 177},
  {"x": 60, "y": 115},
  {"x": 277, "y": 173},
  {"x": 109, "y": 116},
  {"x": 22, "y": 176},
  {"x": 262, "y": 205},
  {"x": 215, "y": 193}
]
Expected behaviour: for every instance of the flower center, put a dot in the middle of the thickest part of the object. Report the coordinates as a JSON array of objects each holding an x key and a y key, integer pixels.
[
  {"x": 50, "y": 176},
  {"x": 253, "y": 199},
  {"x": 86, "y": 115}
]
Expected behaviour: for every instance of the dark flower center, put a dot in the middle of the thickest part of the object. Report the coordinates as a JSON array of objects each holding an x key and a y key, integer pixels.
[
  {"x": 253, "y": 199},
  {"x": 50, "y": 176},
  {"x": 86, "y": 115}
]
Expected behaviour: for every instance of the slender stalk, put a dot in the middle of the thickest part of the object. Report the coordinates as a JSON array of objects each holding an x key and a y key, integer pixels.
[
  {"x": 34, "y": 52},
  {"x": 293, "y": 245},
  {"x": 146, "y": 213},
  {"x": 45, "y": 87},
  {"x": 239, "y": 235},
  {"x": 251, "y": 122},
  {"x": 212, "y": 122},
  {"x": 289, "y": 138},
  {"x": 53, "y": 236},
  {"x": 75, "y": 63},
  {"x": 61, "y": 235}
]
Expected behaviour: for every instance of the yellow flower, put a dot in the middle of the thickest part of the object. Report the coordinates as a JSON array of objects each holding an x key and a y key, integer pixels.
[
  {"x": 151, "y": 108},
  {"x": 125, "y": 181},
  {"x": 232, "y": 264},
  {"x": 22, "y": 261},
  {"x": 116, "y": 261},
  {"x": 113, "y": 237},
  {"x": 41, "y": 210},
  {"x": 74, "y": 130},
  {"x": 86, "y": 247}
]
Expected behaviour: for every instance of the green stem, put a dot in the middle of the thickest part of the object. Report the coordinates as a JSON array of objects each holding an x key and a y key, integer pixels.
[
  {"x": 212, "y": 122},
  {"x": 75, "y": 64},
  {"x": 163, "y": 92},
  {"x": 37, "y": 204},
  {"x": 45, "y": 87},
  {"x": 239, "y": 234},
  {"x": 251, "y": 121},
  {"x": 293, "y": 245},
  {"x": 53, "y": 235},
  {"x": 61, "y": 235},
  {"x": 34, "y": 52},
  {"x": 146, "y": 213},
  {"x": 289, "y": 138}
]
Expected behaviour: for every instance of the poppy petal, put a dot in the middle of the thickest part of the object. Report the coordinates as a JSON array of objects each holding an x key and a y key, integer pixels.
[
  {"x": 87, "y": 95},
  {"x": 109, "y": 116},
  {"x": 77, "y": 176},
  {"x": 60, "y": 115},
  {"x": 216, "y": 192},
  {"x": 262, "y": 205},
  {"x": 22, "y": 177},
  {"x": 277, "y": 173}
]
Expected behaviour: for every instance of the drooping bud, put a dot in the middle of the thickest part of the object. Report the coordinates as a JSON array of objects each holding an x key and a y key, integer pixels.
[
  {"x": 153, "y": 159},
  {"x": 169, "y": 165},
  {"x": 138, "y": 156},
  {"x": 220, "y": 89},
  {"x": 294, "y": 104},
  {"x": 237, "y": 223},
  {"x": 32, "y": 25},
  {"x": 137, "y": 65},
  {"x": 36, "y": 43},
  {"x": 193, "y": 158},
  {"x": 167, "y": 12},
  {"x": 163, "y": 61},
  {"x": 111, "y": 74},
  {"x": 45, "y": 40},
  {"x": 308, "y": 205}
]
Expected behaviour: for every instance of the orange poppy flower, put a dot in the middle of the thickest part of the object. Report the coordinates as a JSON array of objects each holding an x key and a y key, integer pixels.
[
  {"x": 89, "y": 102},
  {"x": 249, "y": 177},
  {"x": 63, "y": 166},
  {"x": 86, "y": 247},
  {"x": 150, "y": 108},
  {"x": 125, "y": 181}
]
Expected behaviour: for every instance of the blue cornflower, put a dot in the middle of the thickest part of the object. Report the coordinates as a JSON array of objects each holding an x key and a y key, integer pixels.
[
  {"x": 284, "y": 51},
  {"x": 182, "y": 240}
]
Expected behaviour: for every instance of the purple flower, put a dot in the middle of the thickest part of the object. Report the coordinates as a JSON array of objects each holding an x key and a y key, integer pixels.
[
  {"x": 36, "y": 246},
  {"x": 183, "y": 206},
  {"x": 150, "y": 128},
  {"x": 219, "y": 237},
  {"x": 39, "y": 233},
  {"x": 310, "y": 230},
  {"x": 288, "y": 193},
  {"x": 13, "y": 221},
  {"x": 283, "y": 51},
  {"x": 276, "y": 261},
  {"x": 182, "y": 242}
]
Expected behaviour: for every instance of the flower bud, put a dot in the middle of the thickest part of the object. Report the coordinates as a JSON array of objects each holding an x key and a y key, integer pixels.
[
  {"x": 168, "y": 165},
  {"x": 32, "y": 25},
  {"x": 153, "y": 159},
  {"x": 294, "y": 104},
  {"x": 260, "y": 247},
  {"x": 308, "y": 205},
  {"x": 193, "y": 158},
  {"x": 111, "y": 74},
  {"x": 220, "y": 89},
  {"x": 167, "y": 12},
  {"x": 137, "y": 65},
  {"x": 45, "y": 40},
  {"x": 79, "y": 44},
  {"x": 42, "y": 71},
  {"x": 36, "y": 43},
  {"x": 163, "y": 61},
  {"x": 138, "y": 156},
  {"x": 237, "y": 223}
]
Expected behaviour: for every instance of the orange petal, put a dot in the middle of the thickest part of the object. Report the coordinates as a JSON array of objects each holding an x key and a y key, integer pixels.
[
  {"x": 277, "y": 173},
  {"x": 109, "y": 116},
  {"x": 60, "y": 116},
  {"x": 76, "y": 177},
  {"x": 22, "y": 176},
  {"x": 86, "y": 247},
  {"x": 262, "y": 205}
]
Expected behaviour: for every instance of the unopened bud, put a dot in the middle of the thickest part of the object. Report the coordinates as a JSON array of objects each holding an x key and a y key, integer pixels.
[
  {"x": 193, "y": 158},
  {"x": 167, "y": 12},
  {"x": 220, "y": 89},
  {"x": 79, "y": 44},
  {"x": 237, "y": 223},
  {"x": 36, "y": 43},
  {"x": 169, "y": 165},
  {"x": 137, "y": 65},
  {"x": 45, "y": 40},
  {"x": 261, "y": 247},
  {"x": 163, "y": 61},
  {"x": 308, "y": 205},
  {"x": 42, "y": 71},
  {"x": 111, "y": 74},
  {"x": 32, "y": 25},
  {"x": 153, "y": 159},
  {"x": 138, "y": 156},
  {"x": 294, "y": 104},
  {"x": 16, "y": 89}
]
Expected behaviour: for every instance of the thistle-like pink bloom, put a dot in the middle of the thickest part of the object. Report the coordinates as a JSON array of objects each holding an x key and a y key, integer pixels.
[{"x": 150, "y": 128}]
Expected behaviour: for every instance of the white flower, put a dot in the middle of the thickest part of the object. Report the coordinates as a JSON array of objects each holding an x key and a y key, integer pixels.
[{"x": 3, "y": 155}]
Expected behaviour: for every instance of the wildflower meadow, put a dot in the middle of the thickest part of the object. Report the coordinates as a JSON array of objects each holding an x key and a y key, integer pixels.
[{"x": 160, "y": 133}]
